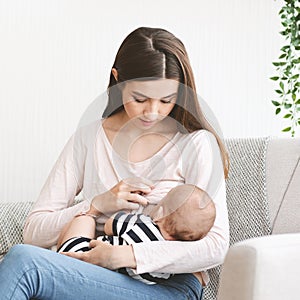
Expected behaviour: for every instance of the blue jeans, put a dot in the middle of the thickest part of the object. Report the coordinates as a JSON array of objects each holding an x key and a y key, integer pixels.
[{"x": 31, "y": 272}]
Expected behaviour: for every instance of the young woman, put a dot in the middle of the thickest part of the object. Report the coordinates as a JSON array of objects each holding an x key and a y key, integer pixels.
[{"x": 153, "y": 136}]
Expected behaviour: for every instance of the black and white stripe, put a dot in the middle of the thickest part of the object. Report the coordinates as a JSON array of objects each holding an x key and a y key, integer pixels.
[
  {"x": 143, "y": 230},
  {"x": 128, "y": 229},
  {"x": 140, "y": 228},
  {"x": 75, "y": 244}
]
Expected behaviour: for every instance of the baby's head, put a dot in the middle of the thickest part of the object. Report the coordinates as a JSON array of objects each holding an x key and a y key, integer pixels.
[{"x": 186, "y": 213}]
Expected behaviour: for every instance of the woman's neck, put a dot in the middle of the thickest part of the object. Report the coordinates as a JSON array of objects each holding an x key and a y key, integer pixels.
[
  {"x": 133, "y": 143},
  {"x": 122, "y": 123}
]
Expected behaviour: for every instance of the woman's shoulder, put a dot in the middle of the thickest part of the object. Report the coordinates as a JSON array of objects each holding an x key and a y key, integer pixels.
[
  {"x": 90, "y": 126},
  {"x": 199, "y": 141},
  {"x": 87, "y": 132},
  {"x": 201, "y": 135}
]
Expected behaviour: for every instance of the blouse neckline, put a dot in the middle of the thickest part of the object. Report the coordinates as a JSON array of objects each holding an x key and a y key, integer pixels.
[{"x": 164, "y": 148}]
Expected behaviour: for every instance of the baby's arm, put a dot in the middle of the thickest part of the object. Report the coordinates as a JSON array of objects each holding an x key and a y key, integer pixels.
[{"x": 119, "y": 223}]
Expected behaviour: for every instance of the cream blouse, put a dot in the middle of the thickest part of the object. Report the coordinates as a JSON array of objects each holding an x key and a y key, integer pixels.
[{"x": 89, "y": 165}]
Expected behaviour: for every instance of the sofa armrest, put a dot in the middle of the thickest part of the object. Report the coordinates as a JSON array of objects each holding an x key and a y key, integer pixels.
[{"x": 264, "y": 268}]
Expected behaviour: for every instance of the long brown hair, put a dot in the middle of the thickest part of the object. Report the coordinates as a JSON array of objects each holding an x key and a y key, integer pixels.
[{"x": 151, "y": 53}]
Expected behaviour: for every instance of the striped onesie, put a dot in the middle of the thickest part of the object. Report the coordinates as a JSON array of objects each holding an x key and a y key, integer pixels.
[{"x": 128, "y": 229}]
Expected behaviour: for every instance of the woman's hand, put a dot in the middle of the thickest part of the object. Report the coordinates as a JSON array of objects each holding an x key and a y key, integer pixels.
[
  {"x": 126, "y": 195},
  {"x": 106, "y": 255}
]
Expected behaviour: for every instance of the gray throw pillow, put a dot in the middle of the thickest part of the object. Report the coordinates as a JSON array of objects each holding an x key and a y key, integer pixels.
[{"x": 12, "y": 220}]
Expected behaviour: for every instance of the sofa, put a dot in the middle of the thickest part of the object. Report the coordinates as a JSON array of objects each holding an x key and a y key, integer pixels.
[
  {"x": 263, "y": 197},
  {"x": 268, "y": 267}
]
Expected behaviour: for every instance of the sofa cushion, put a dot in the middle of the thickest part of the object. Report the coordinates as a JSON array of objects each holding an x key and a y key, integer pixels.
[
  {"x": 248, "y": 209},
  {"x": 264, "y": 268},
  {"x": 12, "y": 219},
  {"x": 283, "y": 188}
]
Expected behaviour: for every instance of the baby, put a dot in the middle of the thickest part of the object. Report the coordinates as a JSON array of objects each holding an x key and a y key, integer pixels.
[{"x": 186, "y": 213}]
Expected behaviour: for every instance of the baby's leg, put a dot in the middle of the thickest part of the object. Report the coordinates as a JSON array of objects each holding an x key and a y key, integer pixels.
[
  {"x": 75, "y": 244},
  {"x": 79, "y": 226},
  {"x": 82, "y": 244}
]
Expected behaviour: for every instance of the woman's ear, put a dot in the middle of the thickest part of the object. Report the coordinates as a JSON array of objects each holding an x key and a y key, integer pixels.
[{"x": 115, "y": 73}]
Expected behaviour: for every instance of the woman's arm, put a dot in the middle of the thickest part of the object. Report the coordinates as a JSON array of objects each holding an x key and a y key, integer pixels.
[
  {"x": 52, "y": 210},
  {"x": 106, "y": 255},
  {"x": 176, "y": 256},
  {"x": 167, "y": 256},
  {"x": 187, "y": 257},
  {"x": 74, "y": 171},
  {"x": 202, "y": 167}
]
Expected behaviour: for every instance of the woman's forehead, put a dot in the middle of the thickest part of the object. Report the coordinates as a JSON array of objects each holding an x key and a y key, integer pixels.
[{"x": 159, "y": 88}]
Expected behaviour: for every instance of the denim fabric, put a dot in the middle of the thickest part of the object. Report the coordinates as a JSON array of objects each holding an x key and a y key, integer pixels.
[{"x": 32, "y": 272}]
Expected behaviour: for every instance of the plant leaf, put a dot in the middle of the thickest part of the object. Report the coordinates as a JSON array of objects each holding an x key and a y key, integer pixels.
[
  {"x": 287, "y": 105},
  {"x": 275, "y": 103},
  {"x": 286, "y": 129},
  {"x": 282, "y": 56},
  {"x": 279, "y": 64},
  {"x": 285, "y": 48},
  {"x": 283, "y": 32},
  {"x": 278, "y": 110},
  {"x": 281, "y": 84},
  {"x": 287, "y": 116},
  {"x": 274, "y": 78}
]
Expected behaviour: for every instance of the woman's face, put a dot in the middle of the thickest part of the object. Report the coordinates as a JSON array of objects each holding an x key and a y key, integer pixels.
[{"x": 148, "y": 102}]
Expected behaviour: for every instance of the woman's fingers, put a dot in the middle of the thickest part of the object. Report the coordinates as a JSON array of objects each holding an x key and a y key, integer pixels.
[
  {"x": 135, "y": 189},
  {"x": 78, "y": 255},
  {"x": 126, "y": 205},
  {"x": 94, "y": 243},
  {"x": 132, "y": 197},
  {"x": 128, "y": 194},
  {"x": 99, "y": 254}
]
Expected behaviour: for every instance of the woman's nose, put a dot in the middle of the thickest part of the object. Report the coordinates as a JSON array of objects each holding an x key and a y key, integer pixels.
[{"x": 152, "y": 110}]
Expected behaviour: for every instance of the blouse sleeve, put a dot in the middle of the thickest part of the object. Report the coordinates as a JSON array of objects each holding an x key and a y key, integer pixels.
[
  {"x": 203, "y": 168},
  {"x": 52, "y": 209}
]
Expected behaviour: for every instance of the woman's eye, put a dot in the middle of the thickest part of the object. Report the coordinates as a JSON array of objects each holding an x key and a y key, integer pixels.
[
  {"x": 172, "y": 100},
  {"x": 139, "y": 100}
]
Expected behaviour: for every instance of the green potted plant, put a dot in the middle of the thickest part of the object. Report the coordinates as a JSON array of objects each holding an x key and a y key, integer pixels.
[{"x": 288, "y": 67}]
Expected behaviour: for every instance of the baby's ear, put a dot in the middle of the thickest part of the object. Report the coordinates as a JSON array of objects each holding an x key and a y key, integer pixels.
[{"x": 157, "y": 214}]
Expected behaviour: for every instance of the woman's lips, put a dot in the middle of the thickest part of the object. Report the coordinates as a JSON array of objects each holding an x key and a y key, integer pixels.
[{"x": 147, "y": 123}]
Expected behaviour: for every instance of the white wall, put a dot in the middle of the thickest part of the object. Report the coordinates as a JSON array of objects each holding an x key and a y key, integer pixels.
[{"x": 56, "y": 56}]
